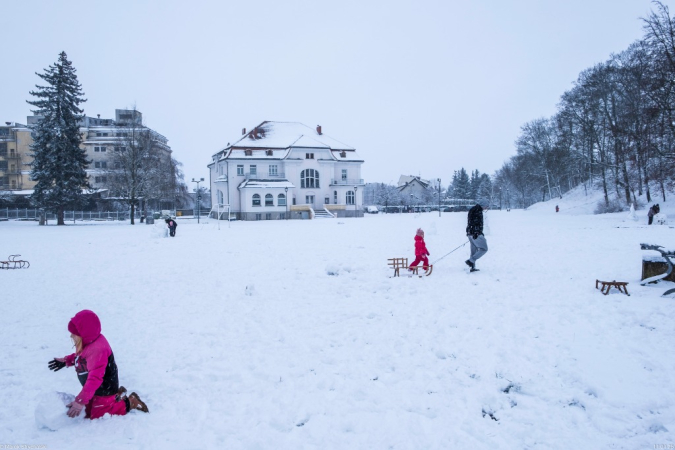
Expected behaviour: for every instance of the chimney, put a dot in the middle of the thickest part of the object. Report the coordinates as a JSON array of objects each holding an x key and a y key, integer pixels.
[
  {"x": 8, "y": 123},
  {"x": 243, "y": 131},
  {"x": 318, "y": 129},
  {"x": 98, "y": 115}
]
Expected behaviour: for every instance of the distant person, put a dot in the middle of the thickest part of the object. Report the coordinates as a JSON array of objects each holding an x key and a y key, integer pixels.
[
  {"x": 654, "y": 210},
  {"x": 474, "y": 230},
  {"x": 172, "y": 226},
  {"x": 421, "y": 251},
  {"x": 557, "y": 209},
  {"x": 96, "y": 370}
]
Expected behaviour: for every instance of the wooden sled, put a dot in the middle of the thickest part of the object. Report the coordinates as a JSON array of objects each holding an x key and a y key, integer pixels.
[
  {"x": 606, "y": 285},
  {"x": 14, "y": 263},
  {"x": 402, "y": 263}
]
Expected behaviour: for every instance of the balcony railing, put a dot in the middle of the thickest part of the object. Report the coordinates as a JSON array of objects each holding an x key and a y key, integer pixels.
[
  {"x": 264, "y": 176},
  {"x": 347, "y": 182}
]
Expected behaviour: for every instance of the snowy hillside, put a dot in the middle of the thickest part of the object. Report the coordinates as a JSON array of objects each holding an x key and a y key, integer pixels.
[{"x": 291, "y": 334}]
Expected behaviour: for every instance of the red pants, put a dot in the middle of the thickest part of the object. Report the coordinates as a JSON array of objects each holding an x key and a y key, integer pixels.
[
  {"x": 99, "y": 406},
  {"x": 419, "y": 258}
]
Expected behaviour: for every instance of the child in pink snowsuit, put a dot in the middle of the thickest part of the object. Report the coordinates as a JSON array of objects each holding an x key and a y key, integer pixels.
[
  {"x": 96, "y": 369},
  {"x": 421, "y": 251}
]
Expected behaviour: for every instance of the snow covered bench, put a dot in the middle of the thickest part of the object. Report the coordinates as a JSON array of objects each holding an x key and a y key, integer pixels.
[{"x": 657, "y": 268}]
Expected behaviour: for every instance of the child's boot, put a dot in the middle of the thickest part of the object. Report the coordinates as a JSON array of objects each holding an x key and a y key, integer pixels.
[{"x": 135, "y": 402}]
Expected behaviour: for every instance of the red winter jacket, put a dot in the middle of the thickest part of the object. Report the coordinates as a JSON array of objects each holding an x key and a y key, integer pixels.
[
  {"x": 420, "y": 246},
  {"x": 95, "y": 365}
]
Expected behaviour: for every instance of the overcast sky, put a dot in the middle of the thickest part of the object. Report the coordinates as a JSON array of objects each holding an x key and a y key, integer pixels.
[{"x": 417, "y": 87}]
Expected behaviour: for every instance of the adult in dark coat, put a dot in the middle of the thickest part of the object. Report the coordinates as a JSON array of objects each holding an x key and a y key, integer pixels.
[
  {"x": 654, "y": 210},
  {"x": 172, "y": 226},
  {"x": 474, "y": 231}
]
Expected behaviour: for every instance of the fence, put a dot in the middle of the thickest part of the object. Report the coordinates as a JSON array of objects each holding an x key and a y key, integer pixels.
[{"x": 68, "y": 216}]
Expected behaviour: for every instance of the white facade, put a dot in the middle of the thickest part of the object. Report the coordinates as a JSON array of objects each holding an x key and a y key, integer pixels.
[{"x": 286, "y": 170}]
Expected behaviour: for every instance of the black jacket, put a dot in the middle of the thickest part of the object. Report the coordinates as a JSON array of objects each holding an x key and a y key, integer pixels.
[{"x": 475, "y": 222}]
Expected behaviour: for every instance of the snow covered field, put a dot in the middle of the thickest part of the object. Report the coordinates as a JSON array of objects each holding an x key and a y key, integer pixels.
[{"x": 290, "y": 334}]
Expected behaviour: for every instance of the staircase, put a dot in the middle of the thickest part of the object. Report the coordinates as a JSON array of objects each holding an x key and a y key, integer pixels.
[{"x": 322, "y": 214}]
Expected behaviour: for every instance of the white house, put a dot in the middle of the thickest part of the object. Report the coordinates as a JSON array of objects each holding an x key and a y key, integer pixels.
[{"x": 286, "y": 170}]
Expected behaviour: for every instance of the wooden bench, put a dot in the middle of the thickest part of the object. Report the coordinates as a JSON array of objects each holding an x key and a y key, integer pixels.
[{"x": 606, "y": 285}]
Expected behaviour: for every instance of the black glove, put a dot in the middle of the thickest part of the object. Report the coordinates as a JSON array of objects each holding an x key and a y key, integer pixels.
[
  {"x": 475, "y": 236},
  {"x": 56, "y": 365}
]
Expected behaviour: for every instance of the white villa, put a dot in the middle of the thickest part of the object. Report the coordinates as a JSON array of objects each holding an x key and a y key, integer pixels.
[{"x": 286, "y": 170}]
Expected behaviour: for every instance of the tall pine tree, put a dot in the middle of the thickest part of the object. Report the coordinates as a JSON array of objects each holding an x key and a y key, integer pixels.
[{"x": 59, "y": 164}]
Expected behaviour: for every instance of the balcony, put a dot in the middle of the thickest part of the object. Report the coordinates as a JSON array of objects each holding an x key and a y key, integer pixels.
[
  {"x": 6, "y": 156},
  {"x": 347, "y": 182},
  {"x": 264, "y": 176}
]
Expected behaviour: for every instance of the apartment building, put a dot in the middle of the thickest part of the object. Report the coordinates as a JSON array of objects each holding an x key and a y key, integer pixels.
[{"x": 15, "y": 159}]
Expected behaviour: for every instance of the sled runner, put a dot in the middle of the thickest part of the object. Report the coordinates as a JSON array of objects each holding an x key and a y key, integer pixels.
[
  {"x": 14, "y": 263},
  {"x": 667, "y": 255}
]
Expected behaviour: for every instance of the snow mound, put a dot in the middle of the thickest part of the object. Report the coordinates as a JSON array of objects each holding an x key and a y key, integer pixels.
[
  {"x": 159, "y": 230},
  {"x": 50, "y": 412}
]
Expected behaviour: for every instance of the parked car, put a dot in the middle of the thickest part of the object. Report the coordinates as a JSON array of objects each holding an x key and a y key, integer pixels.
[{"x": 372, "y": 210}]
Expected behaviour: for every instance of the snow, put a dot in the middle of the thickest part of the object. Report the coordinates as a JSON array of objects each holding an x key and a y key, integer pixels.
[
  {"x": 289, "y": 134},
  {"x": 291, "y": 334}
]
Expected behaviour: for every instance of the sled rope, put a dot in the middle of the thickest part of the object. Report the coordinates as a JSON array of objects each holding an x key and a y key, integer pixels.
[{"x": 451, "y": 251}]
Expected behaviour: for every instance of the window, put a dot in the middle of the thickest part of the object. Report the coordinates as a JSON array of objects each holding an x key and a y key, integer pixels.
[
  {"x": 269, "y": 200},
  {"x": 3, "y": 148},
  {"x": 97, "y": 149},
  {"x": 350, "y": 197},
  {"x": 3, "y": 165},
  {"x": 344, "y": 174},
  {"x": 221, "y": 198},
  {"x": 101, "y": 165},
  {"x": 343, "y": 154},
  {"x": 97, "y": 179},
  {"x": 253, "y": 169},
  {"x": 120, "y": 149},
  {"x": 309, "y": 199},
  {"x": 335, "y": 197},
  {"x": 309, "y": 155},
  {"x": 97, "y": 165},
  {"x": 103, "y": 148},
  {"x": 258, "y": 217},
  {"x": 281, "y": 200},
  {"x": 240, "y": 169},
  {"x": 256, "y": 200},
  {"x": 326, "y": 200},
  {"x": 273, "y": 170},
  {"x": 101, "y": 134},
  {"x": 104, "y": 179},
  {"x": 268, "y": 216},
  {"x": 309, "y": 178},
  {"x": 248, "y": 152},
  {"x": 269, "y": 153}
]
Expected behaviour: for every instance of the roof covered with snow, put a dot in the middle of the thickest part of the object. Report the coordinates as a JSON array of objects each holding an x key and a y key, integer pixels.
[
  {"x": 266, "y": 184},
  {"x": 281, "y": 136}
]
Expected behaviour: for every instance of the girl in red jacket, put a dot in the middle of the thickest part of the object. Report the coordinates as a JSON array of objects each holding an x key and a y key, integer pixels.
[
  {"x": 96, "y": 369},
  {"x": 421, "y": 251}
]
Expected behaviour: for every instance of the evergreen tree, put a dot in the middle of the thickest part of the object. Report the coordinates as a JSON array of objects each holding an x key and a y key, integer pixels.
[
  {"x": 461, "y": 185},
  {"x": 58, "y": 161}
]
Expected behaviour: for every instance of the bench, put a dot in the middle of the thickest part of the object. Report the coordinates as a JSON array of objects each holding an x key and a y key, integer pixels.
[{"x": 668, "y": 256}]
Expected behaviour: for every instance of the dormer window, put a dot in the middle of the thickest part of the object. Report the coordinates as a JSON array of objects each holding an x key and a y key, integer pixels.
[
  {"x": 309, "y": 155},
  {"x": 269, "y": 153},
  {"x": 248, "y": 152},
  {"x": 343, "y": 154}
]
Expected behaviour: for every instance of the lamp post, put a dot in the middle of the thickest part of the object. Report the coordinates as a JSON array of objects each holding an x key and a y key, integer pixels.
[
  {"x": 508, "y": 200},
  {"x": 500, "y": 199},
  {"x": 286, "y": 189},
  {"x": 439, "y": 197},
  {"x": 355, "y": 202},
  {"x": 199, "y": 196}
]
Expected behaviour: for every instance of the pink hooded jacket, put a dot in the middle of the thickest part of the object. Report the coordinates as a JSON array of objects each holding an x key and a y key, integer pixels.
[
  {"x": 95, "y": 366},
  {"x": 420, "y": 246}
]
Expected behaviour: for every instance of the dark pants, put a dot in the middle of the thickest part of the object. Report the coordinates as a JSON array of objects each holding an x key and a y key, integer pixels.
[
  {"x": 651, "y": 219},
  {"x": 172, "y": 231}
]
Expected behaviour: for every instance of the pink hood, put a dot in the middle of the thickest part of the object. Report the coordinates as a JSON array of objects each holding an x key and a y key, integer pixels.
[{"x": 86, "y": 325}]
